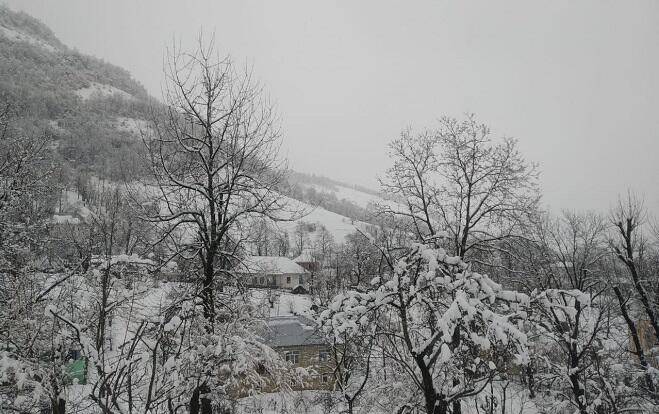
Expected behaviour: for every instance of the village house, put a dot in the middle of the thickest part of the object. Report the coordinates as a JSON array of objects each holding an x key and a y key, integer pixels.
[
  {"x": 273, "y": 272},
  {"x": 297, "y": 339},
  {"x": 307, "y": 261}
]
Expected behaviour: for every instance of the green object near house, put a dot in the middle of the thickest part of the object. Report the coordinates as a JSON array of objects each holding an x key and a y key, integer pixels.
[{"x": 77, "y": 370}]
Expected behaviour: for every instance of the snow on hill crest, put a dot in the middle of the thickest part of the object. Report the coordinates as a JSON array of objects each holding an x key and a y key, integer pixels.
[
  {"x": 339, "y": 226},
  {"x": 20, "y": 36}
]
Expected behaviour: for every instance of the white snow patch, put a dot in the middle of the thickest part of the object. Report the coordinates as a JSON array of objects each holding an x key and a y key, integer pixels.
[
  {"x": 281, "y": 303},
  {"x": 131, "y": 125},
  {"x": 65, "y": 219},
  {"x": 99, "y": 89},
  {"x": 339, "y": 226}
]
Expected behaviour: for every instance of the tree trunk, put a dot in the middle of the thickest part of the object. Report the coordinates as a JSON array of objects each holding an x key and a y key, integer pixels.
[
  {"x": 457, "y": 407},
  {"x": 194, "y": 402},
  {"x": 441, "y": 407},
  {"x": 206, "y": 407},
  {"x": 628, "y": 259},
  {"x": 531, "y": 380},
  {"x": 58, "y": 406},
  {"x": 207, "y": 296}
]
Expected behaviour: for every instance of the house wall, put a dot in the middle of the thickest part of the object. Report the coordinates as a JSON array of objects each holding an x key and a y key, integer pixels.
[
  {"x": 310, "y": 359},
  {"x": 289, "y": 280},
  {"x": 283, "y": 281}
]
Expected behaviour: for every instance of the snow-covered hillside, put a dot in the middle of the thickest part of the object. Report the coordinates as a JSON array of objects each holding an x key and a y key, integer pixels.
[
  {"x": 101, "y": 90},
  {"x": 18, "y": 36},
  {"x": 343, "y": 192},
  {"x": 339, "y": 226}
]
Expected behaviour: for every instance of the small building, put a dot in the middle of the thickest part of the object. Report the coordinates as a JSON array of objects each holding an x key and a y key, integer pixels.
[
  {"x": 272, "y": 272},
  {"x": 298, "y": 340},
  {"x": 307, "y": 261}
]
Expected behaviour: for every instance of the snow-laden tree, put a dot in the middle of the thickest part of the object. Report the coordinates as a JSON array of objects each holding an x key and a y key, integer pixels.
[
  {"x": 443, "y": 326},
  {"x": 33, "y": 349},
  {"x": 34, "y": 355},
  {"x": 580, "y": 359},
  {"x": 154, "y": 350}
]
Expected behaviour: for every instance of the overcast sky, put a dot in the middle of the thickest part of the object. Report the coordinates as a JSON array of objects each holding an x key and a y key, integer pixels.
[{"x": 576, "y": 82}]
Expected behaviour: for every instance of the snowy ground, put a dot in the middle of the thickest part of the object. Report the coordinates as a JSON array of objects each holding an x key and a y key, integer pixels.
[
  {"x": 131, "y": 125},
  {"x": 355, "y": 196},
  {"x": 339, "y": 226},
  {"x": 282, "y": 303},
  {"x": 324, "y": 402},
  {"x": 360, "y": 198},
  {"x": 71, "y": 209}
]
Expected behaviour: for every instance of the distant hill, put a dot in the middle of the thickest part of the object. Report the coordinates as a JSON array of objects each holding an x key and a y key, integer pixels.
[
  {"x": 90, "y": 107},
  {"x": 349, "y": 200},
  {"x": 94, "y": 112}
]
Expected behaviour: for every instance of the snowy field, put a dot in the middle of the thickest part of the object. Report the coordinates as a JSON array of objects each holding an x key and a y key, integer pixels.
[
  {"x": 324, "y": 402},
  {"x": 339, "y": 226},
  {"x": 281, "y": 303}
]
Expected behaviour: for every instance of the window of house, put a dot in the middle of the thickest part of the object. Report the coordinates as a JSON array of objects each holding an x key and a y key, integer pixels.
[
  {"x": 288, "y": 280},
  {"x": 292, "y": 357},
  {"x": 323, "y": 356},
  {"x": 325, "y": 378},
  {"x": 260, "y": 281}
]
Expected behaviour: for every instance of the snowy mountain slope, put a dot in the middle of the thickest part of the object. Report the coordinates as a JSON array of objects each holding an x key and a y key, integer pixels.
[
  {"x": 96, "y": 112},
  {"x": 339, "y": 226},
  {"x": 82, "y": 101},
  {"x": 366, "y": 200},
  {"x": 20, "y": 36},
  {"x": 343, "y": 192},
  {"x": 96, "y": 89}
]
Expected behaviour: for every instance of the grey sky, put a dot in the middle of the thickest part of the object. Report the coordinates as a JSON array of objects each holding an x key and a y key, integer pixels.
[{"x": 576, "y": 82}]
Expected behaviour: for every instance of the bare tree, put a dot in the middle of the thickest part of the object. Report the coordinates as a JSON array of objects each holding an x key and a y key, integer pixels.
[
  {"x": 630, "y": 246},
  {"x": 353, "y": 358},
  {"x": 459, "y": 180},
  {"x": 214, "y": 162}
]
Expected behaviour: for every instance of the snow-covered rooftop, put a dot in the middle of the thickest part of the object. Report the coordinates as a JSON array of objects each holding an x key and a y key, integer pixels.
[
  {"x": 273, "y": 265},
  {"x": 291, "y": 331},
  {"x": 305, "y": 257}
]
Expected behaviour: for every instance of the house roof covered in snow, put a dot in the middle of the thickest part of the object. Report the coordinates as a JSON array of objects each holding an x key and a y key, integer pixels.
[
  {"x": 305, "y": 257},
  {"x": 273, "y": 265},
  {"x": 291, "y": 331}
]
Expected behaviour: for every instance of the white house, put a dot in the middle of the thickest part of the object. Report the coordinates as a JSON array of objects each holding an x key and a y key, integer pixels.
[{"x": 273, "y": 272}]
